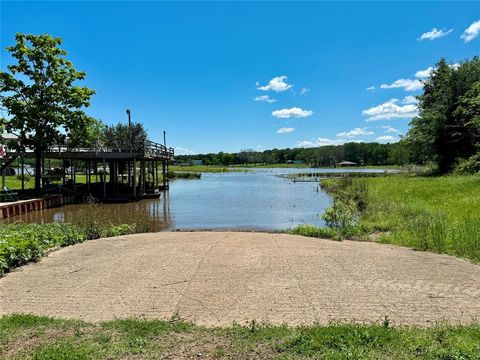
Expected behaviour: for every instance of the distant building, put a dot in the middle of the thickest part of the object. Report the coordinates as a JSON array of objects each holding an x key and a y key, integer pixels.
[
  {"x": 196, "y": 162},
  {"x": 347, "y": 163}
]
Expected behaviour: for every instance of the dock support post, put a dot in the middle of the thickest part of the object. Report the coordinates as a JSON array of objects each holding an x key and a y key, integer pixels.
[
  {"x": 164, "y": 174},
  {"x": 104, "y": 178},
  {"x": 134, "y": 179},
  {"x": 42, "y": 174},
  {"x": 23, "y": 174},
  {"x": 74, "y": 177},
  {"x": 142, "y": 175},
  {"x": 168, "y": 180},
  {"x": 87, "y": 170}
]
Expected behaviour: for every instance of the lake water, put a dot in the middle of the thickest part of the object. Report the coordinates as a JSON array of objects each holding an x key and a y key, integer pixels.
[{"x": 260, "y": 199}]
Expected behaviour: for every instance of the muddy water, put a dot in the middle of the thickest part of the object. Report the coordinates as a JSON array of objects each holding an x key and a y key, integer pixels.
[{"x": 257, "y": 200}]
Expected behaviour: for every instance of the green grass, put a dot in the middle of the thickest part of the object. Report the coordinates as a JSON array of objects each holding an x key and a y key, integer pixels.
[
  {"x": 31, "y": 337},
  {"x": 440, "y": 214}
]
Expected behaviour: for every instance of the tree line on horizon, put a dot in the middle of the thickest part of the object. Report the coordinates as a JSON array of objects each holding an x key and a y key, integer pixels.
[
  {"x": 45, "y": 104},
  {"x": 323, "y": 156}
]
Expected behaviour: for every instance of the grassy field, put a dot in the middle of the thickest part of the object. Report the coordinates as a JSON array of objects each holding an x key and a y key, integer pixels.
[
  {"x": 199, "y": 168},
  {"x": 440, "y": 214},
  {"x": 30, "y": 337}
]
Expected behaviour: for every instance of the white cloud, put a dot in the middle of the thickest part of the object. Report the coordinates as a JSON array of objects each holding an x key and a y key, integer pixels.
[
  {"x": 285, "y": 130},
  {"x": 265, "y": 98},
  {"x": 324, "y": 142},
  {"x": 183, "y": 151},
  {"x": 277, "y": 84},
  {"x": 386, "y": 138},
  {"x": 409, "y": 100},
  {"x": 371, "y": 88},
  {"x": 423, "y": 74},
  {"x": 406, "y": 84},
  {"x": 355, "y": 132},
  {"x": 455, "y": 66},
  {"x": 434, "y": 34},
  {"x": 292, "y": 112},
  {"x": 304, "y": 90},
  {"x": 390, "y": 110},
  {"x": 390, "y": 129},
  {"x": 471, "y": 32}
]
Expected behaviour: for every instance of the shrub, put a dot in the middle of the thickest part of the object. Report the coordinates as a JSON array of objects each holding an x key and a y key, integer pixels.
[
  {"x": 468, "y": 166},
  {"x": 342, "y": 215},
  {"x": 23, "y": 243}
]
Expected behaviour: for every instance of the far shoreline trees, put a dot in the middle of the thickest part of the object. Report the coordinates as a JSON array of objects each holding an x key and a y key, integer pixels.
[{"x": 373, "y": 154}]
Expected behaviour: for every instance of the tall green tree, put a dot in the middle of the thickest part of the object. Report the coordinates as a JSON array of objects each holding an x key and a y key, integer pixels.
[
  {"x": 41, "y": 95},
  {"x": 122, "y": 137},
  {"x": 445, "y": 130}
]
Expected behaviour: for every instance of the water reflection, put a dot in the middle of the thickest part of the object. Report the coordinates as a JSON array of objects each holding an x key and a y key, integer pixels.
[{"x": 258, "y": 199}]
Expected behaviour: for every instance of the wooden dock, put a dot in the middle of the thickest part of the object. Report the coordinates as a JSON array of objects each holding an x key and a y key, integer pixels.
[{"x": 122, "y": 173}]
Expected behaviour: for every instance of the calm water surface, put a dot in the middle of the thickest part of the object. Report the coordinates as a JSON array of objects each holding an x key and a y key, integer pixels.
[{"x": 259, "y": 200}]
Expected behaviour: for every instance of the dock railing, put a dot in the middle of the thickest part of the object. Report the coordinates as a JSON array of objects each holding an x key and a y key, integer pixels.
[{"x": 150, "y": 149}]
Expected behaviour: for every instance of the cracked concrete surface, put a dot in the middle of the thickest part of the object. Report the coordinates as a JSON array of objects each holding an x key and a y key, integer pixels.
[{"x": 217, "y": 278}]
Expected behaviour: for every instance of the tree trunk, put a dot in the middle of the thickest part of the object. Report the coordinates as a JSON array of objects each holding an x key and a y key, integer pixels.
[{"x": 38, "y": 172}]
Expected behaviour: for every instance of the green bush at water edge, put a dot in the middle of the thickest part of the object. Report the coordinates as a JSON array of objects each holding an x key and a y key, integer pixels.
[{"x": 23, "y": 243}]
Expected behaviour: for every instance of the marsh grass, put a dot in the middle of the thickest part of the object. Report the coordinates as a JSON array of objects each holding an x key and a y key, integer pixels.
[
  {"x": 172, "y": 175},
  {"x": 440, "y": 214},
  {"x": 32, "y": 337}
]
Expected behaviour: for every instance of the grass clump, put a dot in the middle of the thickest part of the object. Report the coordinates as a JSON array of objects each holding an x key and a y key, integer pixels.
[
  {"x": 32, "y": 337},
  {"x": 314, "y": 231}
]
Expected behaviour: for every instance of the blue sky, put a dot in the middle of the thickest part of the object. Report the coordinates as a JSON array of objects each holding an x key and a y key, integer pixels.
[{"x": 195, "y": 69}]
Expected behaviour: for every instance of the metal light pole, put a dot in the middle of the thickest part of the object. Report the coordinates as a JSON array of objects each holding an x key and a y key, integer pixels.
[
  {"x": 164, "y": 139},
  {"x": 129, "y": 130}
]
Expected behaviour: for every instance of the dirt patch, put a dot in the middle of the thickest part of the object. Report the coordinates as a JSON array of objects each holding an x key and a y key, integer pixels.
[{"x": 218, "y": 278}]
